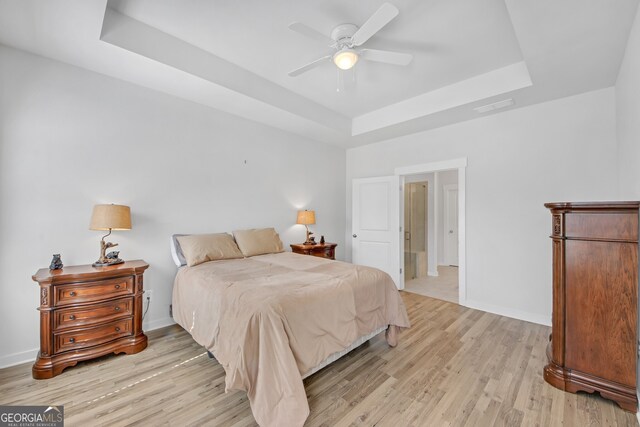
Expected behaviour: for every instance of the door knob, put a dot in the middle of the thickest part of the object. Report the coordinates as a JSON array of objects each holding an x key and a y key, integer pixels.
[
  {"x": 355, "y": 235},
  {"x": 450, "y": 231}
]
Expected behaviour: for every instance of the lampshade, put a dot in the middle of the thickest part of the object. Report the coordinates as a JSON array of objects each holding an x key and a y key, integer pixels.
[
  {"x": 345, "y": 59},
  {"x": 306, "y": 217},
  {"x": 114, "y": 217}
]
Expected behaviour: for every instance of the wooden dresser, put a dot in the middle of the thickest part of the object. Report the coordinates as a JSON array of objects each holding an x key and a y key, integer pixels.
[
  {"x": 86, "y": 312},
  {"x": 323, "y": 250},
  {"x": 593, "y": 346}
]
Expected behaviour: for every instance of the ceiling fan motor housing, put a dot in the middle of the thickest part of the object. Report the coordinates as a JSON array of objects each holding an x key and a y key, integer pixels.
[{"x": 342, "y": 35}]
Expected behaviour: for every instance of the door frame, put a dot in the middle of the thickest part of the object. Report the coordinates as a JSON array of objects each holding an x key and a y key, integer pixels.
[
  {"x": 446, "y": 188},
  {"x": 459, "y": 164}
]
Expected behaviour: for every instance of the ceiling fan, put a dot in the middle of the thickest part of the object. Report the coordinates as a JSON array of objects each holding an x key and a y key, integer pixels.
[{"x": 345, "y": 39}]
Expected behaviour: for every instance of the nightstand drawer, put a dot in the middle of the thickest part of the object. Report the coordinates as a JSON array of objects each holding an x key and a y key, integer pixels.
[
  {"x": 93, "y": 291},
  {"x": 321, "y": 250},
  {"x": 92, "y": 336},
  {"x": 92, "y": 314}
]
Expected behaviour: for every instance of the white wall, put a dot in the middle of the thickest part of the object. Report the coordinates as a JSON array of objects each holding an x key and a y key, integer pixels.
[
  {"x": 70, "y": 138},
  {"x": 444, "y": 178},
  {"x": 564, "y": 150},
  {"x": 628, "y": 116}
]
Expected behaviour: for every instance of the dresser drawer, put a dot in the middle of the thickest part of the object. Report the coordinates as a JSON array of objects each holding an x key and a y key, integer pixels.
[
  {"x": 82, "y": 338},
  {"x": 93, "y": 314},
  {"x": 93, "y": 291}
]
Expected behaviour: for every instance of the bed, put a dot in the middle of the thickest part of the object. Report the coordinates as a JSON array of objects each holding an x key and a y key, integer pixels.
[{"x": 273, "y": 319}]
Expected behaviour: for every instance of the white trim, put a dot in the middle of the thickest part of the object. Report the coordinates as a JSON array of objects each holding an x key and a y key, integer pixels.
[
  {"x": 433, "y": 255},
  {"x": 462, "y": 234},
  {"x": 18, "y": 358},
  {"x": 433, "y": 273},
  {"x": 507, "y": 312},
  {"x": 158, "y": 323},
  {"x": 402, "y": 231},
  {"x": 30, "y": 355},
  {"x": 432, "y": 167},
  {"x": 446, "y": 188},
  {"x": 460, "y": 164}
]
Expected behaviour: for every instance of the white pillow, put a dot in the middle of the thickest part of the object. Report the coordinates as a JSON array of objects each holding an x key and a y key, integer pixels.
[{"x": 176, "y": 252}]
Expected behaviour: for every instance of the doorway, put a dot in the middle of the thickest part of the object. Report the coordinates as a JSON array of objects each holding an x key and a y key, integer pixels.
[
  {"x": 430, "y": 235},
  {"x": 445, "y": 234}
]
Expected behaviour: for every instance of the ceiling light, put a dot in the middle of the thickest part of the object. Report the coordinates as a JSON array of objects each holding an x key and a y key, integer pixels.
[
  {"x": 345, "y": 59},
  {"x": 495, "y": 106}
]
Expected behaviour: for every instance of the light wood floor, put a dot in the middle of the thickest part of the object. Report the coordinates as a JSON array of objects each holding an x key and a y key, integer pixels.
[
  {"x": 444, "y": 286},
  {"x": 455, "y": 366}
]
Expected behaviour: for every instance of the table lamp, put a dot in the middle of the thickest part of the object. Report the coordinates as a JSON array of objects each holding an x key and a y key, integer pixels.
[
  {"x": 109, "y": 217},
  {"x": 306, "y": 218}
]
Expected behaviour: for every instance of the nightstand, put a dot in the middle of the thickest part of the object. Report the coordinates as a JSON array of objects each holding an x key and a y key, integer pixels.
[
  {"x": 86, "y": 312},
  {"x": 323, "y": 250}
]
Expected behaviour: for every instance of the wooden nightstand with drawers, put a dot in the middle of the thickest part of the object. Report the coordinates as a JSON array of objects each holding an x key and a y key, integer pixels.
[
  {"x": 323, "y": 250},
  {"x": 86, "y": 312}
]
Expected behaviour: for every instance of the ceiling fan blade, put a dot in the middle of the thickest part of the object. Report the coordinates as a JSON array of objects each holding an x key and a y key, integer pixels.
[
  {"x": 379, "y": 19},
  {"x": 308, "y": 67},
  {"x": 303, "y": 29},
  {"x": 395, "y": 58}
]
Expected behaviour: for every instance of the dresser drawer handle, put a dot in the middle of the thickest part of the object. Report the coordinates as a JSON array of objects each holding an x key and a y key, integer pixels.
[
  {"x": 116, "y": 308},
  {"x": 72, "y": 317},
  {"x": 72, "y": 293},
  {"x": 72, "y": 340},
  {"x": 117, "y": 328},
  {"x": 117, "y": 286}
]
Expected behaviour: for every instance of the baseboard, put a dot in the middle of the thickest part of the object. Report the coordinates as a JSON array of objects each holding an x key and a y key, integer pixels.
[
  {"x": 18, "y": 358},
  {"x": 433, "y": 273},
  {"x": 509, "y": 312},
  {"x": 30, "y": 355},
  {"x": 157, "y": 324}
]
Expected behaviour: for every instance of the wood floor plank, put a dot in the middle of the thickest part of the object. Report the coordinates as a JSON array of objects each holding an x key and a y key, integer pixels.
[{"x": 454, "y": 367}]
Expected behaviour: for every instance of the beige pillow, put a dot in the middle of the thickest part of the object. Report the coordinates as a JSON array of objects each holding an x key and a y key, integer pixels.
[
  {"x": 199, "y": 248},
  {"x": 258, "y": 241}
]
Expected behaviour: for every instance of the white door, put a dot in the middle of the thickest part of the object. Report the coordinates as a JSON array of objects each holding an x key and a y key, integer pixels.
[
  {"x": 451, "y": 225},
  {"x": 376, "y": 224}
]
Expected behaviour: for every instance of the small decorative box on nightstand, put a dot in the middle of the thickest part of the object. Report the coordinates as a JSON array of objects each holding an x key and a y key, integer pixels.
[
  {"x": 323, "y": 250},
  {"x": 86, "y": 312}
]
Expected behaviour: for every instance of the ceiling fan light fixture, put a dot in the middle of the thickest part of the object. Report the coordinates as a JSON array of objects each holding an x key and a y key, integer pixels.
[{"x": 345, "y": 59}]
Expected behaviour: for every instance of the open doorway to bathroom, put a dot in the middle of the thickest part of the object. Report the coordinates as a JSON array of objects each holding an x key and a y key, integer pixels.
[{"x": 431, "y": 234}]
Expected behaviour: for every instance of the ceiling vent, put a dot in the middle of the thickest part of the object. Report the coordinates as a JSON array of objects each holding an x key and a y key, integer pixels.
[{"x": 495, "y": 106}]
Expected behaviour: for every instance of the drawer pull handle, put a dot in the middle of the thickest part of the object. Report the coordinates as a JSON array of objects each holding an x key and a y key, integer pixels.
[
  {"x": 72, "y": 340},
  {"x": 117, "y": 328},
  {"x": 116, "y": 308},
  {"x": 72, "y": 293},
  {"x": 72, "y": 317},
  {"x": 117, "y": 286}
]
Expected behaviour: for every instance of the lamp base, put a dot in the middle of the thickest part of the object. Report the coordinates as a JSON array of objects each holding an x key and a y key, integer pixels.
[{"x": 107, "y": 262}]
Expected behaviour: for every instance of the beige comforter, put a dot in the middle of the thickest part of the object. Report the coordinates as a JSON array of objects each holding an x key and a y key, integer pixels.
[{"x": 269, "y": 319}]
